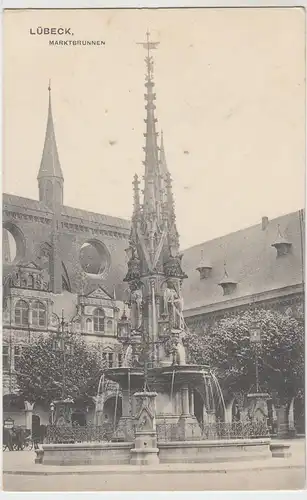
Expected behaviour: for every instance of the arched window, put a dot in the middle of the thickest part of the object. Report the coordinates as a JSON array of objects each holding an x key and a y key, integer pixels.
[
  {"x": 99, "y": 320},
  {"x": 89, "y": 325},
  {"x": 39, "y": 316},
  {"x": 22, "y": 313}
]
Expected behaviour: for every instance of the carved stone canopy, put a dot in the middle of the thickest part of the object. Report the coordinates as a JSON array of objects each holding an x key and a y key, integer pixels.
[{"x": 172, "y": 267}]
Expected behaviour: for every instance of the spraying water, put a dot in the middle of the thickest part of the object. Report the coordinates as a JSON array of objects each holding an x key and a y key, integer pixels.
[
  {"x": 129, "y": 390},
  {"x": 99, "y": 398},
  {"x": 115, "y": 410},
  {"x": 207, "y": 402},
  {"x": 219, "y": 393},
  {"x": 127, "y": 361},
  {"x": 172, "y": 384}
]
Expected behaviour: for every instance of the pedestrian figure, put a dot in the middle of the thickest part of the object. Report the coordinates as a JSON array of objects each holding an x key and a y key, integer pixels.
[
  {"x": 7, "y": 438},
  {"x": 20, "y": 438}
]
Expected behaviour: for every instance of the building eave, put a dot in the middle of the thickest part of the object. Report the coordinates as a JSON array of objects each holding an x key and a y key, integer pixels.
[{"x": 243, "y": 301}]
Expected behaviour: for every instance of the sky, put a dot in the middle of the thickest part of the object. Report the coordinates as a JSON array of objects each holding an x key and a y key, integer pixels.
[{"x": 230, "y": 100}]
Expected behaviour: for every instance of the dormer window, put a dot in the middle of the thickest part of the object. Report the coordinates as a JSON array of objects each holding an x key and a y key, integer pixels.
[
  {"x": 204, "y": 267},
  {"x": 228, "y": 284},
  {"x": 282, "y": 245}
]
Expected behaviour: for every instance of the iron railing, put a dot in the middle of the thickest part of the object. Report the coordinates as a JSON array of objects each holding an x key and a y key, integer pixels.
[
  {"x": 165, "y": 432},
  {"x": 79, "y": 434},
  {"x": 216, "y": 430}
]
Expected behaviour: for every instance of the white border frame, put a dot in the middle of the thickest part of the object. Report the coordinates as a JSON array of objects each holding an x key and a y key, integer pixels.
[{"x": 125, "y": 4}]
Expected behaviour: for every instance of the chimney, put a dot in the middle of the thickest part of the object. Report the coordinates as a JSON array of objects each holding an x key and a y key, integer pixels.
[{"x": 265, "y": 223}]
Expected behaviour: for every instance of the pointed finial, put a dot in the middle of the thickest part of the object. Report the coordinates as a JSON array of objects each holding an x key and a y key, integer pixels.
[
  {"x": 49, "y": 86},
  {"x": 148, "y": 44},
  {"x": 225, "y": 270}
]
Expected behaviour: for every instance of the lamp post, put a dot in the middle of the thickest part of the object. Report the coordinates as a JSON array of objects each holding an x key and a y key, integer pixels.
[
  {"x": 52, "y": 408},
  {"x": 255, "y": 340}
]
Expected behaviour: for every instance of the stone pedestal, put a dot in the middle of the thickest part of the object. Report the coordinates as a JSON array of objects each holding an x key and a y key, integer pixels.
[
  {"x": 282, "y": 422},
  {"x": 124, "y": 430},
  {"x": 145, "y": 451},
  {"x": 28, "y": 414},
  {"x": 257, "y": 406},
  {"x": 188, "y": 428},
  {"x": 63, "y": 411}
]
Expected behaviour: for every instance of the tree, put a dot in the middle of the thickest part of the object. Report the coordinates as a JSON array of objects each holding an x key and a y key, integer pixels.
[
  {"x": 42, "y": 375},
  {"x": 227, "y": 348}
]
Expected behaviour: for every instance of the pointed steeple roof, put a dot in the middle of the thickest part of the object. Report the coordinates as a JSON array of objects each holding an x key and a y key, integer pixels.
[
  {"x": 50, "y": 163},
  {"x": 152, "y": 188}
]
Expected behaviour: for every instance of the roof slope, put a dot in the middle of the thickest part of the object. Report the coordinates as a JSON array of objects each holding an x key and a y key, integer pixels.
[
  {"x": 20, "y": 203},
  {"x": 250, "y": 260}
]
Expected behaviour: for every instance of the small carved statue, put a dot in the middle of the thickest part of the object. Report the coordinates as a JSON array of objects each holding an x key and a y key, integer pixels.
[
  {"x": 173, "y": 306},
  {"x": 136, "y": 300}
]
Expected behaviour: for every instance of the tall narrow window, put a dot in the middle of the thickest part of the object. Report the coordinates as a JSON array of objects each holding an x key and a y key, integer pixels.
[
  {"x": 17, "y": 354},
  {"x": 5, "y": 358},
  {"x": 110, "y": 359},
  {"x": 39, "y": 317},
  {"x": 99, "y": 320},
  {"x": 30, "y": 281},
  {"x": 120, "y": 359},
  {"x": 22, "y": 313},
  {"x": 89, "y": 325}
]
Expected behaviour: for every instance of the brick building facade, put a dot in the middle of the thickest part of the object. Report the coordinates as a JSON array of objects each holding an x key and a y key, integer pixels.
[{"x": 57, "y": 259}]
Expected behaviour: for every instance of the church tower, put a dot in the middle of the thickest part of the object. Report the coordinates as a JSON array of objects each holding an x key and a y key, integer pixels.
[
  {"x": 50, "y": 182},
  {"x": 50, "y": 177}
]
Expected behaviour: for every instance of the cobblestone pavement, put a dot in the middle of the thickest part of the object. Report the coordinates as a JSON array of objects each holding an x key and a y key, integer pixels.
[
  {"x": 266, "y": 475},
  {"x": 256, "y": 480}
]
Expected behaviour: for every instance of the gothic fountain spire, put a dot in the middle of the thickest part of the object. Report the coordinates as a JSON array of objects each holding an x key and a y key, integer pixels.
[
  {"x": 156, "y": 328},
  {"x": 152, "y": 188}
]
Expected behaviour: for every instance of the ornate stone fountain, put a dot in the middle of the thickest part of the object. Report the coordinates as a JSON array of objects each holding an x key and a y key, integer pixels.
[
  {"x": 156, "y": 329},
  {"x": 157, "y": 381}
]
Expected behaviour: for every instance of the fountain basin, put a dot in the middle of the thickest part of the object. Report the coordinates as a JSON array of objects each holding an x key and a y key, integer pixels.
[
  {"x": 230, "y": 450},
  {"x": 126, "y": 377},
  {"x": 181, "y": 374},
  {"x": 87, "y": 454}
]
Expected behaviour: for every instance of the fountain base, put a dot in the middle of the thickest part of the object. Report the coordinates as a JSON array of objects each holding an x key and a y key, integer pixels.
[
  {"x": 188, "y": 428},
  {"x": 145, "y": 451}
]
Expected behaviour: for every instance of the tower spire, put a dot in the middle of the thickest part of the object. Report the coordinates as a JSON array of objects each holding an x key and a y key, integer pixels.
[
  {"x": 152, "y": 188},
  {"x": 50, "y": 164},
  {"x": 50, "y": 182}
]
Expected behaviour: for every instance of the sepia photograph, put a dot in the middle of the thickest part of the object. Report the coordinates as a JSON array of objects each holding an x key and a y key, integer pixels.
[{"x": 153, "y": 249}]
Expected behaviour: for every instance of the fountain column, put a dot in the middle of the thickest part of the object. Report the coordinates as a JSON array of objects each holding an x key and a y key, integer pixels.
[
  {"x": 191, "y": 401},
  {"x": 125, "y": 403},
  {"x": 185, "y": 400}
]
